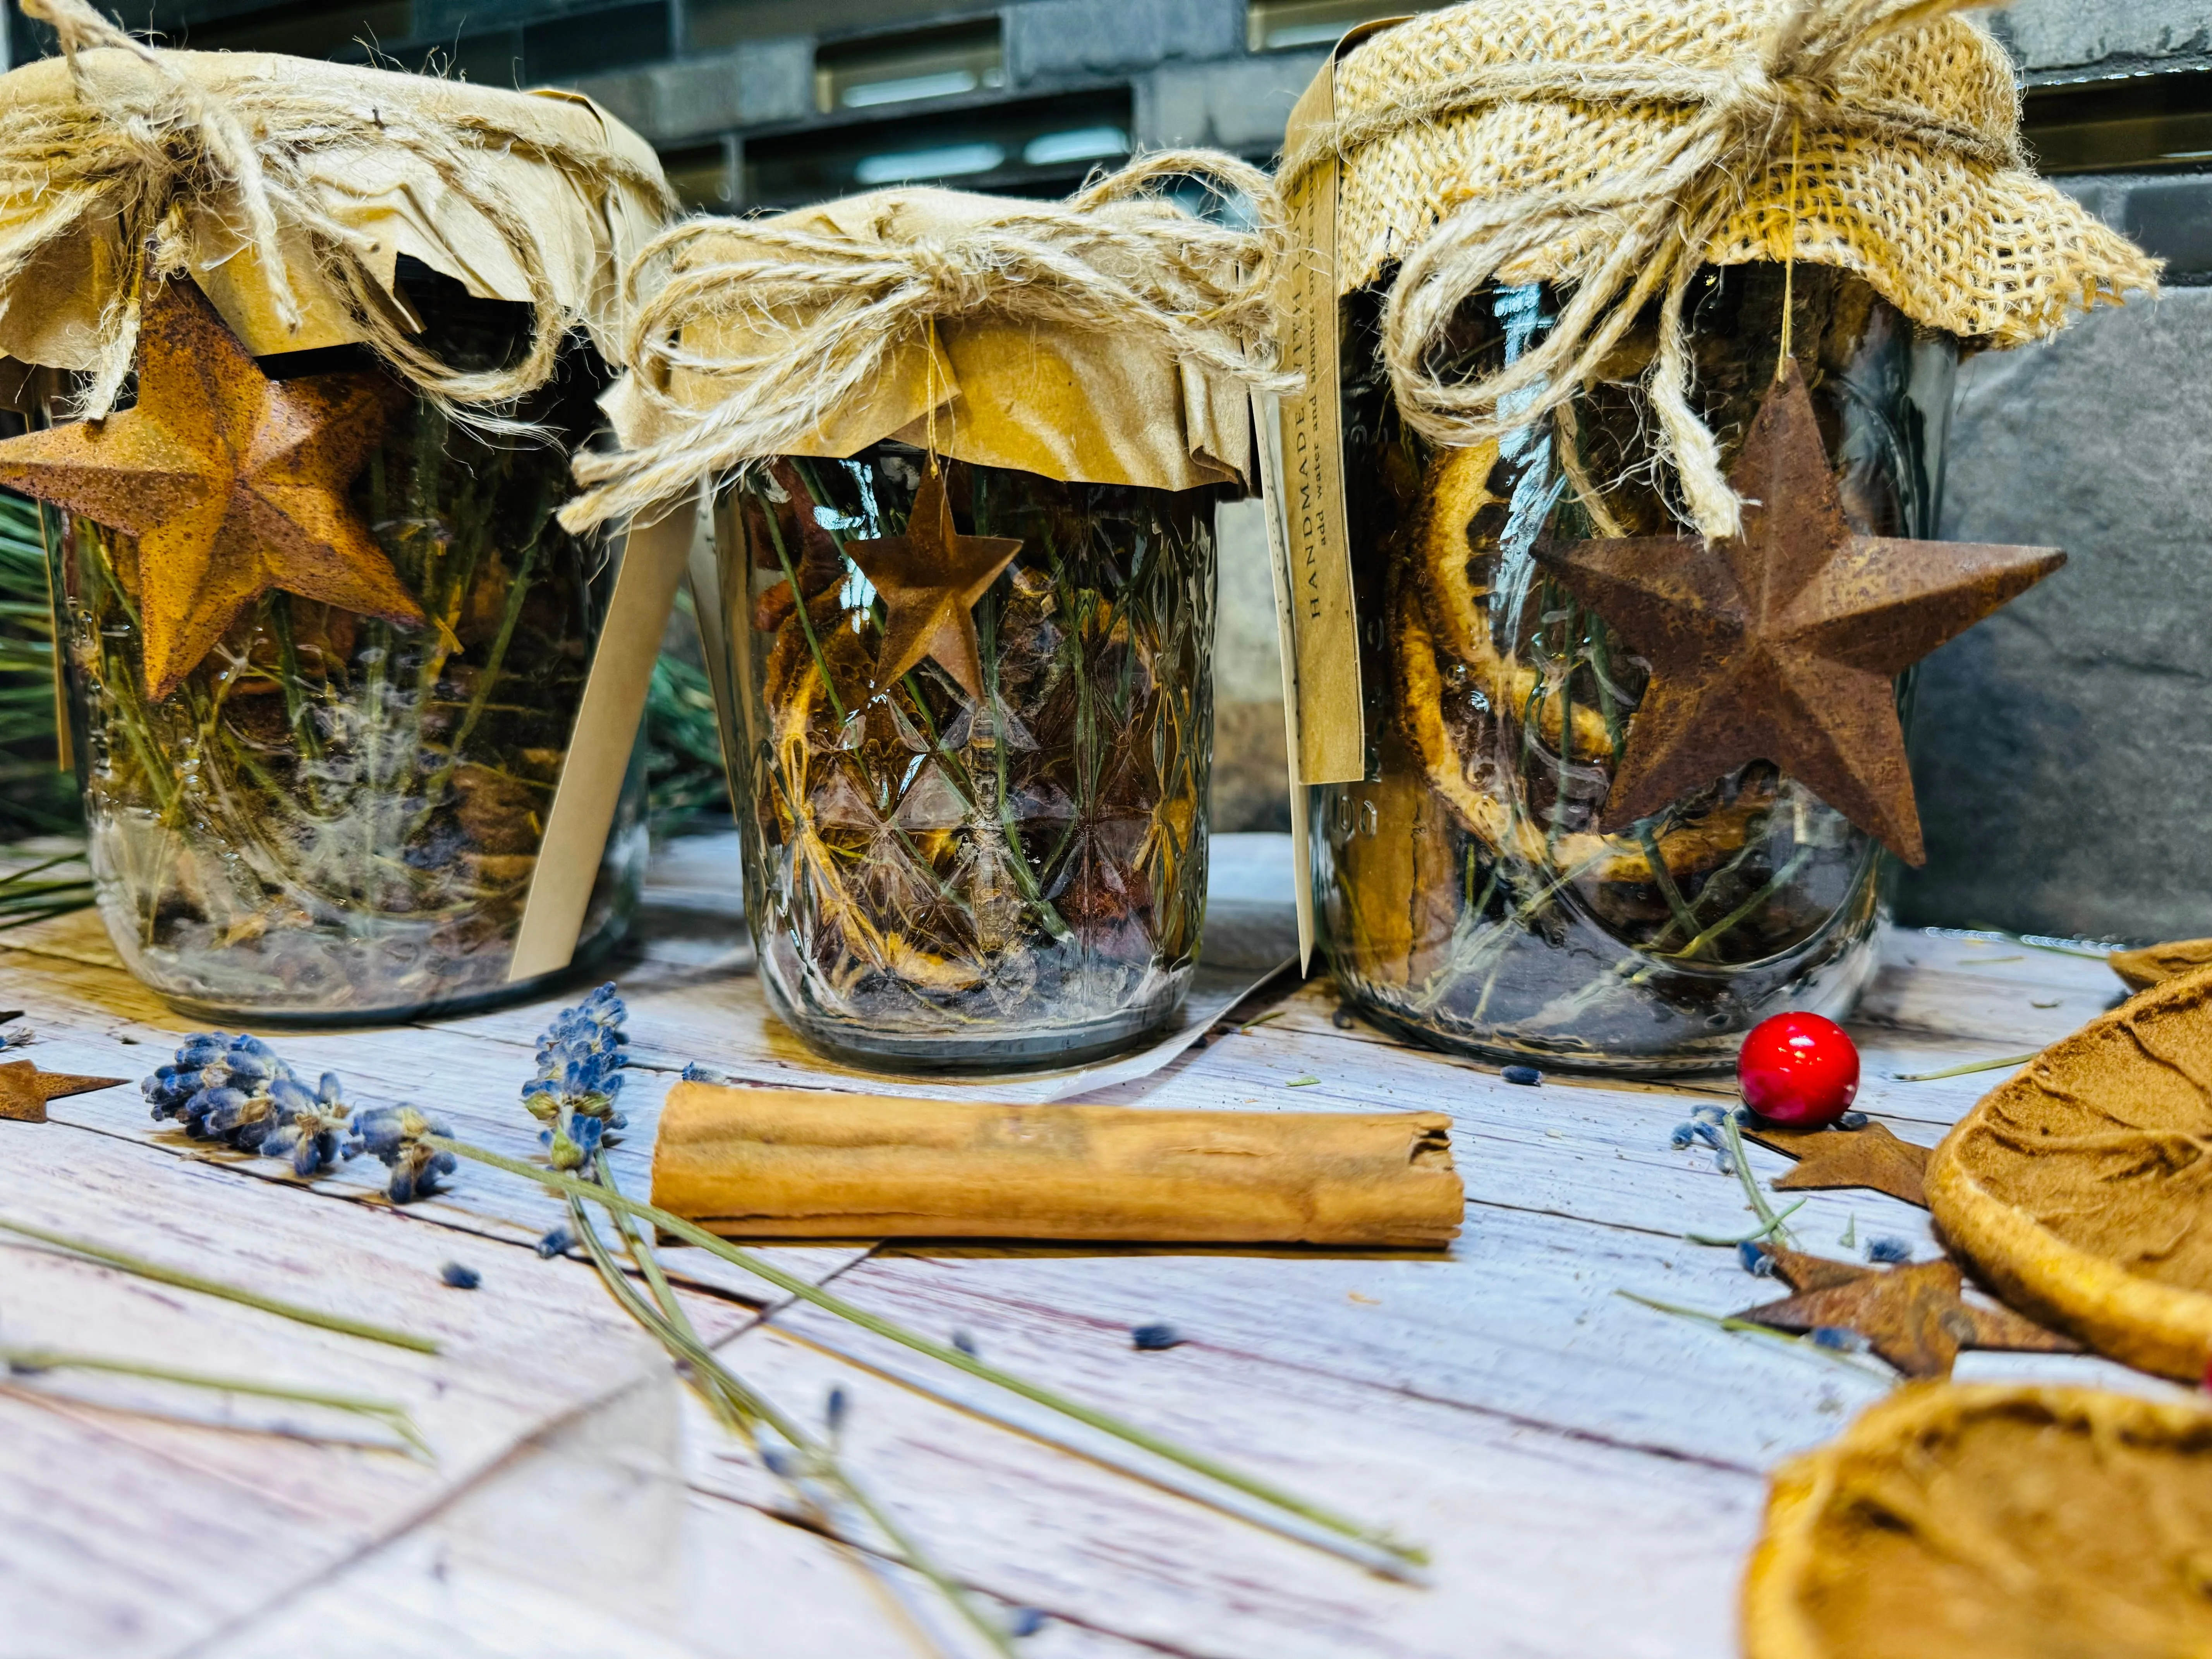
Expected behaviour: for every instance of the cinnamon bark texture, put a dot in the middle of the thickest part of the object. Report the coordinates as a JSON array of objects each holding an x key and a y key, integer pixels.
[{"x": 803, "y": 1164}]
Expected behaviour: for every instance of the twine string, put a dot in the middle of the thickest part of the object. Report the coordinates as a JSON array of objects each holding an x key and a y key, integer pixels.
[
  {"x": 146, "y": 149},
  {"x": 811, "y": 321},
  {"x": 1789, "y": 267},
  {"x": 1644, "y": 224}
]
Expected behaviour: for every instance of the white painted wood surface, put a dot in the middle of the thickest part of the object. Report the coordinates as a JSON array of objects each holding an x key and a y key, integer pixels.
[{"x": 1587, "y": 1473}]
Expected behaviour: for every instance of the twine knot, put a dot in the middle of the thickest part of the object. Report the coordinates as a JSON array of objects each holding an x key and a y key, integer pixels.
[
  {"x": 814, "y": 318},
  {"x": 1640, "y": 230},
  {"x": 140, "y": 150},
  {"x": 957, "y": 274}
]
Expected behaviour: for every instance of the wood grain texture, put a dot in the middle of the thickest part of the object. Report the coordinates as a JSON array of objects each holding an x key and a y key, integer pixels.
[{"x": 1588, "y": 1472}]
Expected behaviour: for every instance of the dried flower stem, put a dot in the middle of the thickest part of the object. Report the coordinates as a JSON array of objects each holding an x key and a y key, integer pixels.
[
  {"x": 2004, "y": 1065},
  {"x": 760, "y": 1266},
  {"x": 1771, "y": 1223},
  {"x": 740, "y": 1407},
  {"x": 1747, "y": 1327},
  {"x": 390, "y": 1414},
  {"x": 1755, "y": 1234},
  {"x": 214, "y": 1287}
]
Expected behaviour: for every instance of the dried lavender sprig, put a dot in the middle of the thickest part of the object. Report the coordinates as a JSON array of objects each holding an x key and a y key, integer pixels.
[
  {"x": 1756, "y": 1234},
  {"x": 28, "y": 1362},
  {"x": 722, "y": 1388},
  {"x": 760, "y": 1266},
  {"x": 420, "y": 1150},
  {"x": 579, "y": 1062},
  {"x": 2009, "y": 1062},
  {"x": 214, "y": 1287}
]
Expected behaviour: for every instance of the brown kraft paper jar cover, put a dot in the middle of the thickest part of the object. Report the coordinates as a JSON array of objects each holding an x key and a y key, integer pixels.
[{"x": 1630, "y": 334}]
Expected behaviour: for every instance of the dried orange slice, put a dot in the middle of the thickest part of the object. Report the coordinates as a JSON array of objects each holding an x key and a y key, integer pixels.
[
  {"x": 2155, "y": 964},
  {"x": 1992, "y": 1522},
  {"x": 2081, "y": 1190}
]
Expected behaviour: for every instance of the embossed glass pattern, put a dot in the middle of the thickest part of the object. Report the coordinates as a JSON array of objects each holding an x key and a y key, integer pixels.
[{"x": 938, "y": 881}]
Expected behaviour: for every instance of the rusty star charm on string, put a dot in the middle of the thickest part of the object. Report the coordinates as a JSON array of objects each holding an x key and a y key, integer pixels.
[
  {"x": 1782, "y": 644},
  {"x": 929, "y": 579},
  {"x": 1912, "y": 1316},
  {"x": 25, "y": 1090},
  {"x": 232, "y": 482}
]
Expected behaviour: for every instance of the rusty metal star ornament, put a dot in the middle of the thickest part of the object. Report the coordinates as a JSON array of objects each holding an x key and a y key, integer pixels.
[
  {"x": 1912, "y": 1316},
  {"x": 1781, "y": 644},
  {"x": 1870, "y": 1158},
  {"x": 232, "y": 484},
  {"x": 929, "y": 579},
  {"x": 25, "y": 1090}
]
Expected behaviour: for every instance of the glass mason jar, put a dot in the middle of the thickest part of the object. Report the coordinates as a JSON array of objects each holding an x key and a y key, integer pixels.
[
  {"x": 1466, "y": 899},
  {"x": 938, "y": 882},
  {"x": 333, "y": 818}
]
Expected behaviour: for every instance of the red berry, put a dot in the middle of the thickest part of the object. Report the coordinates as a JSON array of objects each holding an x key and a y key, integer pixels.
[{"x": 1798, "y": 1069}]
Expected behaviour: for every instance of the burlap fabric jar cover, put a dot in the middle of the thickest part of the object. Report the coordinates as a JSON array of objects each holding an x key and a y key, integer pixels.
[
  {"x": 1565, "y": 268},
  {"x": 965, "y": 454},
  {"x": 327, "y": 650}
]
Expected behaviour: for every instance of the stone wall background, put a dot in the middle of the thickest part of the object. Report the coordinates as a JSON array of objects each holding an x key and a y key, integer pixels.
[{"x": 2062, "y": 750}]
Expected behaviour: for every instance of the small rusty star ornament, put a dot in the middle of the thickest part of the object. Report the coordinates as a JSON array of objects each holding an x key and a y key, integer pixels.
[
  {"x": 1871, "y": 1157},
  {"x": 232, "y": 484},
  {"x": 1781, "y": 644},
  {"x": 25, "y": 1090},
  {"x": 1912, "y": 1316},
  {"x": 929, "y": 581}
]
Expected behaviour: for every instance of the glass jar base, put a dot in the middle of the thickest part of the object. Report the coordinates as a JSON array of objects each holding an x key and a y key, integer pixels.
[
  {"x": 1830, "y": 992},
  {"x": 1054, "y": 1048},
  {"x": 587, "y": 962}
]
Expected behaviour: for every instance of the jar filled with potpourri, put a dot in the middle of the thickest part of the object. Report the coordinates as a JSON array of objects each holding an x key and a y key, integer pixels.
[
  {"x": 966, "y": 565},
  {"x": 1631, "y": 506},
  {"x": 327, "y": 645}
]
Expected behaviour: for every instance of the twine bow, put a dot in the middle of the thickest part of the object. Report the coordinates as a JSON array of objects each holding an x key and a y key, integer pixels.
[
  {"x": 142, "y": 150},
  {"x": 1645, "y": 223},
  {"x": 817, "y": 316}
]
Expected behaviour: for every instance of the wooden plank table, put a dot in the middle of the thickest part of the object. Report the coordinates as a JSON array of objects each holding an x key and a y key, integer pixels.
[{"x": 1587, "y": 1473}]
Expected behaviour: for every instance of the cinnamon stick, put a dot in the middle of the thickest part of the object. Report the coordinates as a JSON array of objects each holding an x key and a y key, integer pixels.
[{"x": 806, "y": 1163}]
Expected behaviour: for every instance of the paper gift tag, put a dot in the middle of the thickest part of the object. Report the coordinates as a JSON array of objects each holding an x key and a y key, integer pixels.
[
  {"x": 1321, "y": 624},
  {"x": 654, "y": 559}
]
